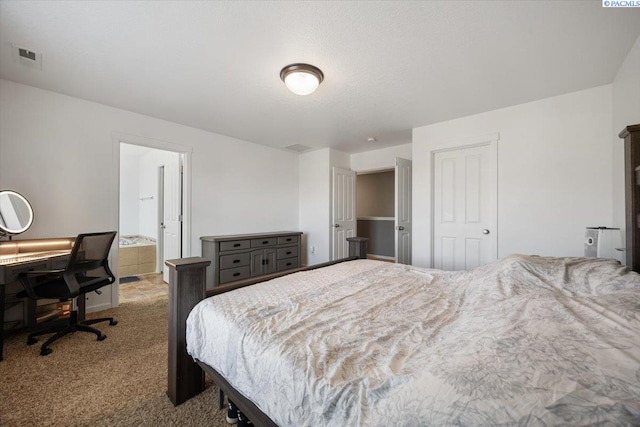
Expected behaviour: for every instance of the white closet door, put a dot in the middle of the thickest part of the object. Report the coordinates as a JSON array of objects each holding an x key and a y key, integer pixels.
[
  {"x": 464, "y": 208},
  {"x": 344, "y": 211},
  {"x": 403, "y": 211}
]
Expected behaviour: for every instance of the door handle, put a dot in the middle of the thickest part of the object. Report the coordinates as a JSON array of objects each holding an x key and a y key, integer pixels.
[
  {"x": 400, "y": 227},
  {"x": 336, "y": 225},
  {"x": 486, "y": 231},
  {"x": 162, "y": 226}
]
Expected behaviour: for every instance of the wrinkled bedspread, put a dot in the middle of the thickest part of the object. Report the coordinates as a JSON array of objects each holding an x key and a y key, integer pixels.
[{"x": 526, "y": 341}]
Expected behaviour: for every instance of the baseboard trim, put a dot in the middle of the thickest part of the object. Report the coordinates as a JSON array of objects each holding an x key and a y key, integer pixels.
[
  {"x": 381, "y": 257},
  {"x": 99, "y": 307}
]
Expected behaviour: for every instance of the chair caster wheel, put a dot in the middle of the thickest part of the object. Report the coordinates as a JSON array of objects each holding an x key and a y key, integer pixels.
[
  {"x": 113, "y": 322},
  {"x": 102, "y": 337},
  {"x": 45, "y": 351},
  {"x": 31, "y": 341}
]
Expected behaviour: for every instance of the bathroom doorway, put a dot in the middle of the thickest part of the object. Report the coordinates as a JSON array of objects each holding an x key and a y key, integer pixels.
[{"x": 150, "y": 229}]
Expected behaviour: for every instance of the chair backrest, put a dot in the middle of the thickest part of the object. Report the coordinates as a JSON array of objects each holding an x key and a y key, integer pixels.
[{"x": 90, "y": 251}]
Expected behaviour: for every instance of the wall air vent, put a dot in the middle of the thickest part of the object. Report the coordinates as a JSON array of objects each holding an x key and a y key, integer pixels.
[
  {"x": 27, "y": 54},
  {"x": 26, "y": 57},
  {"x": 298, "y": 148}
]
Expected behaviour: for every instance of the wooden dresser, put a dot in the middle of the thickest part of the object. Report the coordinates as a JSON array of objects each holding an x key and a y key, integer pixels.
[{"x": 243, "y": 256}]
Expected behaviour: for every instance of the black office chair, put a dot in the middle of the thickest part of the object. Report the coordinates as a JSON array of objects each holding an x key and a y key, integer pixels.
[{"x": 87, "y": 270}]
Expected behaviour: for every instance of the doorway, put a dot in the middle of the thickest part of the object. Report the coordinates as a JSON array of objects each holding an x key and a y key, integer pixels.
[
  {"x": 375, "y": 212},
  {"x": 384, "y": 209},
  {"x": 150, "y": 219}
]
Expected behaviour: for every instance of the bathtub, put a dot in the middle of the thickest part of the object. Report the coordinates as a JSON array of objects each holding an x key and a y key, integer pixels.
[{"x": 137, "y": 255}]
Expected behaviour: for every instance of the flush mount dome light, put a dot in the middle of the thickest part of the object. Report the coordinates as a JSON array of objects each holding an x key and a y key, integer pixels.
[{"x": 301, "y": 79}]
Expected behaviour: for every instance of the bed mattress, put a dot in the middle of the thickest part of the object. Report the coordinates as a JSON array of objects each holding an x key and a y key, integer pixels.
[{"x": 522, "y": 341}]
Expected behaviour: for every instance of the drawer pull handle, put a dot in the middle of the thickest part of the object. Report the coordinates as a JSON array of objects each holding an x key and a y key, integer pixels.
[
  {"x": 265, "y": 242},
  {"x": 236, "y": 274},
  {"x": 235, "y": 261},
  {"x": 289, "y": 239},
  {"x": 288, "y": 264},
  {"x": 235, "y": 245},
  {"x": 289, "y": 253}
]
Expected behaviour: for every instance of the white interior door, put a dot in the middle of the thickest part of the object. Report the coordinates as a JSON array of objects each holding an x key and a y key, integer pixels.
[
  {"x": 464, "y": 213},
  {"x": 403, "y": 211},
  {"x": 171, "y": 225},
  {"x": 344, "y": 211}
]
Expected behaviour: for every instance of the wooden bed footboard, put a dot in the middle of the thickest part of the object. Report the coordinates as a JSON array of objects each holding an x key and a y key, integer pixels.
[{"x": 187, "y": 287}]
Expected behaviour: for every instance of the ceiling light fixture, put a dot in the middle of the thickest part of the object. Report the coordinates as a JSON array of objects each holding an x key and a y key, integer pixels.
[{"x": 301, "y": 79}]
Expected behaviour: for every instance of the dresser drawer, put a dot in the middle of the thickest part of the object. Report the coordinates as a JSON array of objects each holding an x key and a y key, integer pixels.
[
  {"x": 287, "y": 264},
  {"x": 233, "y": 245},
  {"x": 288, "y": 252},
  {"x": 258, "y": 243},
  {"x": 233, "y": 274},
  {"x": 232, "y": 261},
  {"x": 287, "y": 239}
]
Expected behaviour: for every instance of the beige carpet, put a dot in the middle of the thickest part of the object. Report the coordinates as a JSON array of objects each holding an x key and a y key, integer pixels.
[{"x": 120, "y": 381}]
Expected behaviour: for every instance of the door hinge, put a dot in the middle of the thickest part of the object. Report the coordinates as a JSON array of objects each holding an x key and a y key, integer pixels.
[{"x": 180, "y": 217}]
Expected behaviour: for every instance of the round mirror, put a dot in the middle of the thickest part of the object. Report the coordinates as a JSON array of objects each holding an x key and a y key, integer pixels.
[{"x": 16, "y": 214}]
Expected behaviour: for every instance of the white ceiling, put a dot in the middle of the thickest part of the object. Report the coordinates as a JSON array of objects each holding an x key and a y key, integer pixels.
[{"x": 389, "y": 66}]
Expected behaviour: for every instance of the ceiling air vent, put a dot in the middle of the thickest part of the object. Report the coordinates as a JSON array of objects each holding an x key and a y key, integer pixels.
[
  {"x": 298, "y": 148},
  {"x": 26, "y": 57}
]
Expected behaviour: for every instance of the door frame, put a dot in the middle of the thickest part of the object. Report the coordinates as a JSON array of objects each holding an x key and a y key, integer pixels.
[
  {"x": 160, "y": 240},
  {"x": 456, "y": 144},
  {"x": 185, "y": 152}
]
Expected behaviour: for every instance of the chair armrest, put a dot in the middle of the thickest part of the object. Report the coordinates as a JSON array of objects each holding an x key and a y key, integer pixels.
[{"x": 34, "y": 278}]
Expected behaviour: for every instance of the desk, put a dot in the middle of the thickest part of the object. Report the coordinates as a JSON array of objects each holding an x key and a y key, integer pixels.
[{"x": 19, "y": 256}]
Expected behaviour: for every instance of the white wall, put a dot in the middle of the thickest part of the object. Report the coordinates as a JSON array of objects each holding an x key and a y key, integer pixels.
[
  {"x": 58, "y": 152},
  {"x": 129, "y": 195},
  {"x": 149, "y": 164},
  {"x": 314, "y": 197},
  {"x": 339, "y": 159},
  {"x": 375, "y": 194},
  {"x": 554, "y": 172},
  {"x": 383, "y": 158},
  {"x": 315, "y": 201},
  {"x": 626, "y": 111}
]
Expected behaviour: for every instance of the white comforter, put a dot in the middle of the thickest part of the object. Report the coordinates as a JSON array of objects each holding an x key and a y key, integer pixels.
[{"x": 522, "y": 341}]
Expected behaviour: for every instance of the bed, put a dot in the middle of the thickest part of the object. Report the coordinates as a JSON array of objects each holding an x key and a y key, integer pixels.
[{"x": 525, "y": 340}]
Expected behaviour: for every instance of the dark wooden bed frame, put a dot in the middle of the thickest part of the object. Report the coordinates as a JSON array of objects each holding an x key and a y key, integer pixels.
[
  {"x": 187, "y": 288},
  {"x": 631, "y": 137}
]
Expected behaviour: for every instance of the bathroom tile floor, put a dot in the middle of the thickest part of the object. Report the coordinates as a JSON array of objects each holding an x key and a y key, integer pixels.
[{"x": 149, "y": 286}]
